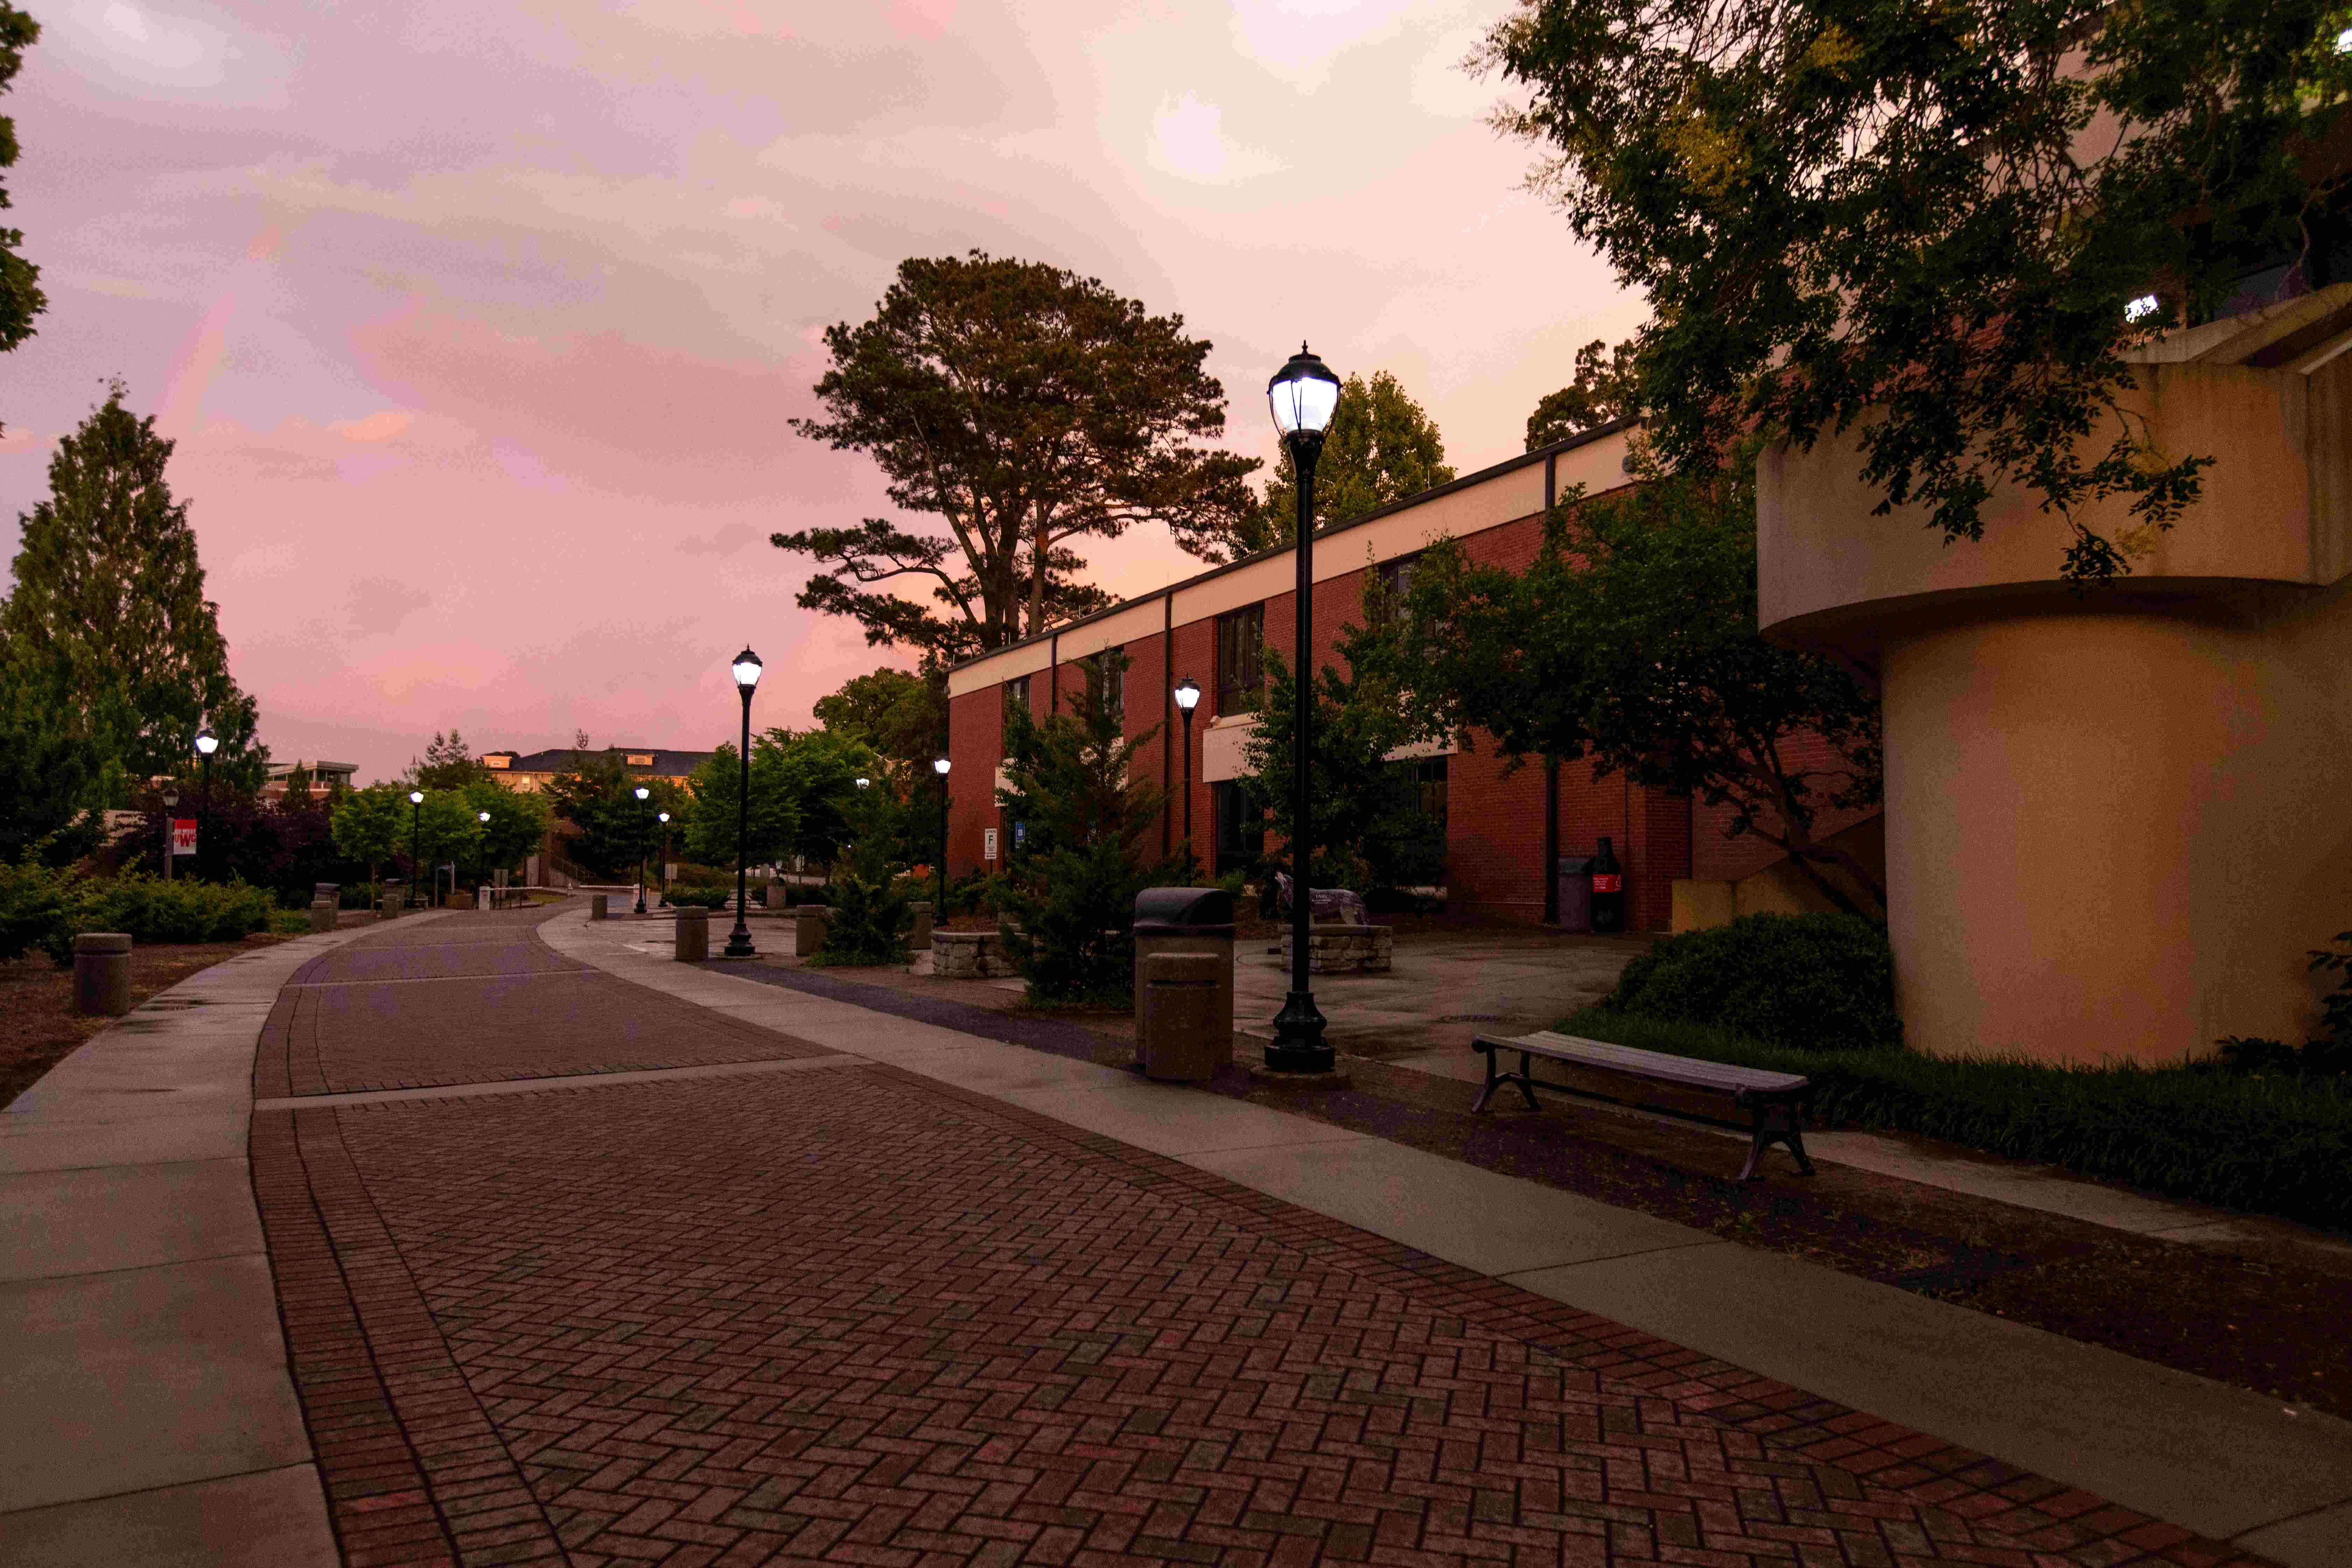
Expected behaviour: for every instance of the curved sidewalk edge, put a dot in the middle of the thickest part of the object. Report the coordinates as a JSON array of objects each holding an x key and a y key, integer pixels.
[
  {"x": 152, "y": 1417},
  {"x": 2227, "y": 1464}
]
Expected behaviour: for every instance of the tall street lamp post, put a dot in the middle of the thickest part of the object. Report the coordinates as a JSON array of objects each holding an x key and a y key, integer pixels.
[
  {"x": 484, "y": 818},
  {"x": 664, "y": 816},
  {"x": 415, "y": 841},
  {"x": 206, "y": 744},
  {"x": 940, "y": 765},
  {"x": 645, "y": 846},
  {"x": 1303, "y": 393},
  {"x": 1188, "y": 697},
  {"x": 746, "y": 670}
]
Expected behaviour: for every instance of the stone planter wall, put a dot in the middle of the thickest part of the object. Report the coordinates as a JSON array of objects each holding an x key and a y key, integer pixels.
[
  {"x": 969, "y": 955},
  {"x": 1347, "y": 949}
]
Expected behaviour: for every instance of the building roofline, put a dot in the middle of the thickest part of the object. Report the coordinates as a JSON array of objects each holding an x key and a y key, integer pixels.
[{"x": 1497, "y": 470}]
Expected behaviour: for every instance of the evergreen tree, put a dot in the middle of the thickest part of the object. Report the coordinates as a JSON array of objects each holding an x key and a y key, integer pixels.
[
  {"x": 1070, "y": 890},
  {"x": 109, "y": 609},
  {"x": 46, "y": 770},
  {"x": 448, "y": 763},
  {"x": 20, "y": 298}
]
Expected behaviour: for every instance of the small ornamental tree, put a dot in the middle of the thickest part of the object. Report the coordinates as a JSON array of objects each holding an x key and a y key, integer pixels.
[
  {"x": 1069, "y": 890},
  {"x": 517, "y": 828},
  {"x": 1369, "y": 830},
  {"x": 1923, "y": 222},
  {"x": 714, "y": 796},
  {"x": 870, "y": 915},
  {"x": 371, "y": 826},
  {"x": 1631, "y": 640}
]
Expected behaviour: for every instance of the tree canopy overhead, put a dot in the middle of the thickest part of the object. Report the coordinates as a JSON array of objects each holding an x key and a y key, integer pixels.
[
  {"x": 1922, "y": 220},
  {"x": 20, "y": 296},
  {"x": 1013, "y": 407},
  {"x": 110, "y": 600},
  {"x": 1381, "y": 447}
]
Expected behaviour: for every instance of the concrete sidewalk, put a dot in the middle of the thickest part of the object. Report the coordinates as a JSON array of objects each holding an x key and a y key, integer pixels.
[
  {"x": 150, "y": 1415},
  {"x": 2226, "y": 1463}
]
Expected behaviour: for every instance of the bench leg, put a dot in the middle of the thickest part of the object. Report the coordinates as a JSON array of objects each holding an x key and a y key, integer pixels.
[
  {"x": 1524, "y": 1078},
  {"x": 1528, "y": 1079},
  {"x": 1487, "y": 1093},
  {"x": 1777, "y": 1121}
]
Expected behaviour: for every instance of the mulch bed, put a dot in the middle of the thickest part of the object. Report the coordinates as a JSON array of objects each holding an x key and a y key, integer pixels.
[
  {"x": 39, "y": 1028},
  {"x": 2263, "y": 1319}
]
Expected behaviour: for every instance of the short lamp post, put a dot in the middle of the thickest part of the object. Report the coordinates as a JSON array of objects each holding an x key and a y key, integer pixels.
[
  {"x": 415, "y": 841},
  {"x": 484, "y": 818},
  {"x": 746, "y": 670},
  {"x": 645, "y": 846},
  {"x": 1303, "y": 393},
  {"x": 662, "y": 817},
  {"x": 206, "y": 744},
  {"x": 940, "y": 765},
  {"x": 1188, "y": 697}
]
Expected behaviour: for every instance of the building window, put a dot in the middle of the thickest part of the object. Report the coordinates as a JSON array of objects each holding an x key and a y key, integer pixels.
[
  {"x": 1396, "y": 585},
  {"x": 1016, "y": 695},
  {"x": 1241, "y": 659},
  {"x": 1114, "y": 681},
  {"x": 1429, "y": 777},
  {"x": 1240, "y": 829}
]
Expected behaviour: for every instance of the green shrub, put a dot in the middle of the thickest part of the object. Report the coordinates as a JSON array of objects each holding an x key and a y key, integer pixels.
[
  {"x": 152, "y": 910},
  {"x": 2270, "y": 1145},
  {"x": 32, "y": 906},
  {"x": 1822, "y": 982},
  {"x": 700, "y": 898},
  {"x": 870, "y": 923}
]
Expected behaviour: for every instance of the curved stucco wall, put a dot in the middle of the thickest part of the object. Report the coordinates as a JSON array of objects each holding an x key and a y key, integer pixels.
[{"x": 2115, "y": 835}]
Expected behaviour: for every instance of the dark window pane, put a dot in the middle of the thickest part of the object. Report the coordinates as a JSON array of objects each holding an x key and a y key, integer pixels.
[{"x": 1241, "y": 659}]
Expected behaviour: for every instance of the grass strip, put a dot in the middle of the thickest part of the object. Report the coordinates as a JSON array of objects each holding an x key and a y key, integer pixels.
[{"x": 2266, "y": 1144}]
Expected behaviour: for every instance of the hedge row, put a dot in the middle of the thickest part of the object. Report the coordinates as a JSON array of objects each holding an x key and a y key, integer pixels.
[
  {"x": 2268, "y": 1144},
  {"x": 46, "y": 909}
]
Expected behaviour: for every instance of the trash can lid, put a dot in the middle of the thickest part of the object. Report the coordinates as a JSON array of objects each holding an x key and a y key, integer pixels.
[
  {"x": 1576, "y": 865},
  {"x": 1185, "y": 911},
  {"x": 101, "y": 941}
]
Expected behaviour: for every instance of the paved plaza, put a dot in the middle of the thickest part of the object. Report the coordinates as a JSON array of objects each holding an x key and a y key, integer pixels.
[{"x": 572, "y": 1254}]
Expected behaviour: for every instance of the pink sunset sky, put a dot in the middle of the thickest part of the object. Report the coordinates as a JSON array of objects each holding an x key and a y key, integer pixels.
[{"x": 478, "y": 326}]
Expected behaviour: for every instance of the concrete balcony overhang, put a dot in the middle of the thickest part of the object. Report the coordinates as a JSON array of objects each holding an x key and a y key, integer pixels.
[{"x": 2268, "y": 396}]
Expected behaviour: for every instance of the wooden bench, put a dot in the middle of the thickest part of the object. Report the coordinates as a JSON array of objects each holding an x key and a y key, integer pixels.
[{"x": 1777, "y": 1100}]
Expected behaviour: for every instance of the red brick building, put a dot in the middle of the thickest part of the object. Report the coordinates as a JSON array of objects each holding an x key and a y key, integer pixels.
[{"x": 1505, "y": 828}]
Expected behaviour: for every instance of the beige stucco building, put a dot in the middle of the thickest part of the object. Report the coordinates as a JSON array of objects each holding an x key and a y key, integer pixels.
[{"x": 2116, "y": 819}]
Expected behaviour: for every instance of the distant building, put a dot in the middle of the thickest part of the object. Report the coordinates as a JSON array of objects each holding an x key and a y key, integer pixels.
[
  {"x": 530, "y": 772},
  {"x": 325, "y": 777}
]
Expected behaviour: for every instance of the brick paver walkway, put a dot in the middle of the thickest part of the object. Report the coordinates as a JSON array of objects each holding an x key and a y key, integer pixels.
[{"x": 842, "y": 1314}]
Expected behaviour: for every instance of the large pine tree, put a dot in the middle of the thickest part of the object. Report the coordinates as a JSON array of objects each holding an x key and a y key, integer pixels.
[
  {"x": 20, "y": 298},
  {"x": 110, "y": 605}
]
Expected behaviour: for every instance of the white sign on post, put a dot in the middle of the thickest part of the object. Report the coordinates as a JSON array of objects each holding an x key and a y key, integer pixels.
[
  {"x": 184, "y": 836},
  {"x": 988, "y": 843}
]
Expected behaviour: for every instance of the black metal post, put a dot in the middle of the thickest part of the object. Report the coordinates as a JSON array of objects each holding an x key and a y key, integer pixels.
[
  {"x": 738, "y": 941},
  {"x": 1299, "y": 1045},
  {"x": 205, "y": 824},
  {"x": 415, "y": 846},
  {"x": 645, "y": 846},
  {"x": 1188, "y": 782},
  {"x": 940, "y": 915}
]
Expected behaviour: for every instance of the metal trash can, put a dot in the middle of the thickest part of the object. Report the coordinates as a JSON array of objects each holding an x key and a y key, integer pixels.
[
  {"x": 323, "y": 914},
  {"x": 1176, "y": 1017},
  {"x": 918, "y": 940},
  {"x": 693, "y": 935},
  {"x": 102, "y": 962},
  {"x": 599, "y": 907},
  {"x": 1192, "y": 921},
  {"x": 1575, "y": 874}
]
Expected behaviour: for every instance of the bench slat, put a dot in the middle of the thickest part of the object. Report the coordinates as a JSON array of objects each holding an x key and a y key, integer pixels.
[{"x": 1721, "y": 1076}]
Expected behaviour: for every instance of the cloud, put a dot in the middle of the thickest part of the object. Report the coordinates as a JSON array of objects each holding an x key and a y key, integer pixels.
[
  {"x": 1188, "y": 139},
  {"x": 380, "y": 605},
  {"x": 385, "y": 424},
  {"x": 154, "y": 52},
  {"x": 726, "y": 542}
]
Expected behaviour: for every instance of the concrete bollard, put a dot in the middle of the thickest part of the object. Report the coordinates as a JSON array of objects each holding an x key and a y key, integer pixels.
[
  {"x": 1176, "y": 1017},
  {"x": 597, "y": 908},
  {"x": 920, "y": 939},
  {"x": 103, "y": 973},
  {"x": 387, "y": 906},
  {"x": 323, "y": 914},
  {"x": 693, "y": 935},
  {"x": 809, "y": 924}
]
